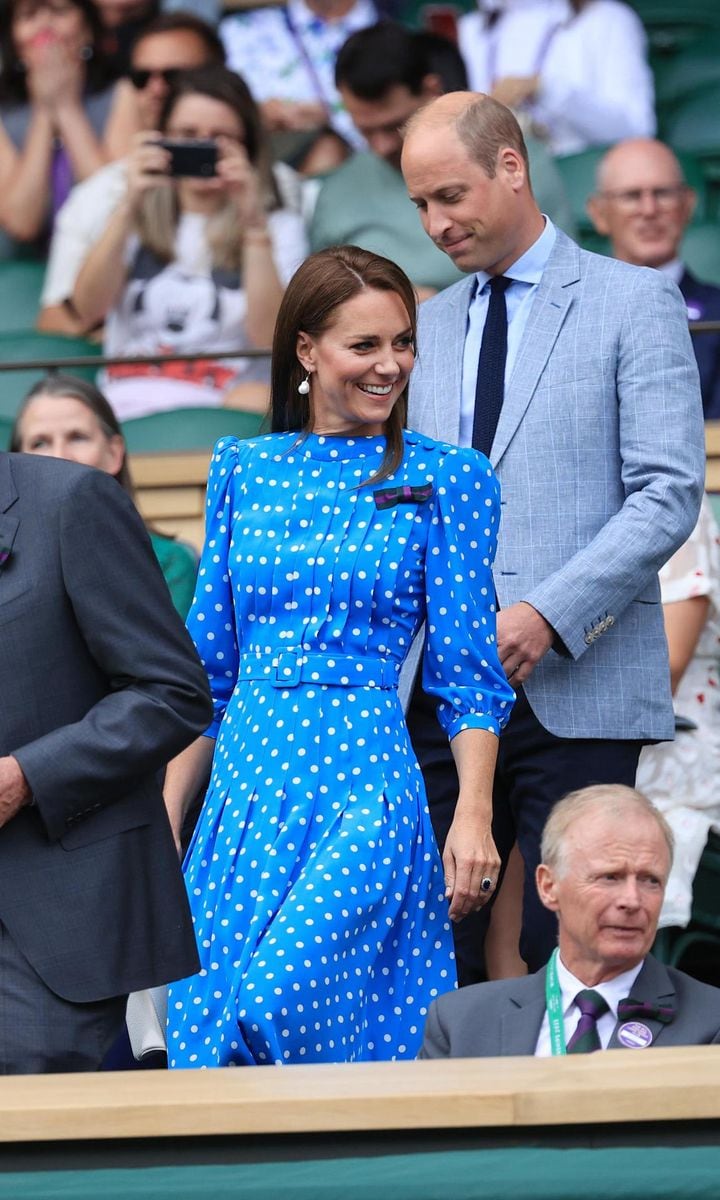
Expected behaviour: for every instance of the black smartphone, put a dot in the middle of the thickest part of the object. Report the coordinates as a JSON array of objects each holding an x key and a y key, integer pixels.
[{"x": 192, "y": 157}]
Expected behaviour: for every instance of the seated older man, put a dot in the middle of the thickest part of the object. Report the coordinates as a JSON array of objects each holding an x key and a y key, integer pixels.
[{"x": 606, "y": 855}]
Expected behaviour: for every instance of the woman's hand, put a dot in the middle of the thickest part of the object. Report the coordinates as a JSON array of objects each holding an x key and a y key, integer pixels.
[
  {"x": 470, "y": 856},
  {"x": 241, "y": 181},
  {"x": 147, "y": 165},
  {"x": 55, "y": 74}
]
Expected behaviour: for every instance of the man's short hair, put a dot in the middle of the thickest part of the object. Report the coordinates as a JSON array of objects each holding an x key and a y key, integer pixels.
[
  {"x": 485, "y": 127},
  {"x": 376, "y": 59},
  {"x": 178, "y": 21},
  {"x": 612, "y": 798}
]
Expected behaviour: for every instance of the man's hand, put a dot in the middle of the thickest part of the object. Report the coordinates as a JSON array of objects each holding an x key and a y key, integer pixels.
[
  {"x": 523, "y": 637},
  {"x": 14, "y": 790}
]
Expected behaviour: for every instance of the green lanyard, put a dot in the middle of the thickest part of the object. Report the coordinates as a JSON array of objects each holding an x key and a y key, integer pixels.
[{"x": 553, "y": 1002}]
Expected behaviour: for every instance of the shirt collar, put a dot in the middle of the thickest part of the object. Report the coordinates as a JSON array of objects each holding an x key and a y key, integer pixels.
[
  {"x": 530, "y": 266},
  {"x": 614, "y": 990},
  {"x": 675, "y": 269}
]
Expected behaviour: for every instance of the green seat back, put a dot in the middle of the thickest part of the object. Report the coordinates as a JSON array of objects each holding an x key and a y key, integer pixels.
[
  {"x": 673, "y": 24},
  {"x": 693, "y": 124},
  {"x": 21, "y": 282},
  {"x": 188, "y": 429},
  {"x": 690, "y": 68},
  {"x": 27, "y": 345}
]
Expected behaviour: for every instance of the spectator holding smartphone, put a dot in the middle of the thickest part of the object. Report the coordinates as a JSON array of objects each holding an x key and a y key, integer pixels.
[{"x": 193, "y": 263}]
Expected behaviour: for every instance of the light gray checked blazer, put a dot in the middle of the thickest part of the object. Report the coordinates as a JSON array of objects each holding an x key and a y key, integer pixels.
[{"x": 600, "y": 455}]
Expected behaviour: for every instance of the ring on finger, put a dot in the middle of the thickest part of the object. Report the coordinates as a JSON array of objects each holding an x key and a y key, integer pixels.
[{"x": 487, "y": 884}]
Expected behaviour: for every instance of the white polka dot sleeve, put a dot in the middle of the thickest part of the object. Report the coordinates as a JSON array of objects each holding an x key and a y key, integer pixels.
[
  {"x": 211, "y": 621},
  {"x": 461, "y": 665}
]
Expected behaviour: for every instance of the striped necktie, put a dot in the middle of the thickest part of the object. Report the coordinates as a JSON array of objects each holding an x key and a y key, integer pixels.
[{"x": 585, "y": 1038}]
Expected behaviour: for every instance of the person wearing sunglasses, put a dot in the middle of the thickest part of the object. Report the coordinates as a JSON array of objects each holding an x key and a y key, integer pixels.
[{"x": 173, "y": 42}]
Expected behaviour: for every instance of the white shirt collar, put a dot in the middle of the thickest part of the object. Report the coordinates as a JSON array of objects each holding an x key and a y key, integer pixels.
[
  {"x": 613, "y": 991},
  {"x": 528, "y": 268}
]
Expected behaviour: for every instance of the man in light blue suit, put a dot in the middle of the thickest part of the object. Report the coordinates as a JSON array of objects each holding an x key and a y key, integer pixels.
[{"x": 597, "y": 440}]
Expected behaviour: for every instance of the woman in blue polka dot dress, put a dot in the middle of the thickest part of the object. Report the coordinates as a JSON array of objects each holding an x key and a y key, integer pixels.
[{"x": 322, "y": 910}]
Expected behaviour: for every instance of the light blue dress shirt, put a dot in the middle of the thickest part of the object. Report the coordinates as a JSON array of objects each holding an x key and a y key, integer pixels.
[{"x": 525, "y": 274}]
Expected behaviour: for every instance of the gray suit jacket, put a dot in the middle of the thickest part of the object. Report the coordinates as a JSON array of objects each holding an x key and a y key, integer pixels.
[
  {"x": 496, "y": 1019},
  {"x": 600, "y": 455},
  {"x": 99, "y": 687}
]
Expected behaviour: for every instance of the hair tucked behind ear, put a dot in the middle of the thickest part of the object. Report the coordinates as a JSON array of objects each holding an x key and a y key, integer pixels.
[{"x": 325, "y": 281}]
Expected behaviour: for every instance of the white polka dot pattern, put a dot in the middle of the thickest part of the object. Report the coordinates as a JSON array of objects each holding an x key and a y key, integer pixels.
[{"x": 314, "y": 879}]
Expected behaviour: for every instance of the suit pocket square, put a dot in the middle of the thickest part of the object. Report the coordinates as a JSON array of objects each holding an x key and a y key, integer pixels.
[{"x": 408, "y": 494}]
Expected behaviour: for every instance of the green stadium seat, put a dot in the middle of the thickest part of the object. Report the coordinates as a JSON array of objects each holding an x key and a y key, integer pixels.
[
  {"x": 21, "y": 282},
  {"x": 5, "y": 431},
  {"x": 27, "y": 345},
  {"x": 693, "y": 127},
  {"x": 578, "y": 175},
  {"x": 671, "y": 24},
  {"x": 188, "y": 429},
  {"x": 689, "y": 69}
]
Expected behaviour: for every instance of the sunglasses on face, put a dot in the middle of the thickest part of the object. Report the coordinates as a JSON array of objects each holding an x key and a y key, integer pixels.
[{"x": 141, "y": 76}]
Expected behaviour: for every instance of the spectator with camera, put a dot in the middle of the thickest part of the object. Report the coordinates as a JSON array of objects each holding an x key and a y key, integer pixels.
[
  {"x": 195, "y": 255},
  {"x": 173, "y": 42}
]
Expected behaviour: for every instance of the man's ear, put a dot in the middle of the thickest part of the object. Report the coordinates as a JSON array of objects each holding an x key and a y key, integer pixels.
[
  {"x": 595, "y": 209},
  {"x": 305, "y": 350},
  {"x": 546, "y": 887}
]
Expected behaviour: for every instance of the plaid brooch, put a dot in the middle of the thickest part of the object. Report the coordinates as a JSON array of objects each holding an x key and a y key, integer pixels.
[{"x": 408, "y": 494}]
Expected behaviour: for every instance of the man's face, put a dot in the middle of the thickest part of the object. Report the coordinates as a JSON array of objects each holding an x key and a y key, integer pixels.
[
  {"x": 608, "y": 892},
  {"x": 643, "y": 205},
  {"x": 474, "y": 218},
  {"x": 380, "y": 121},
  {"x": 159, "y": 53}
]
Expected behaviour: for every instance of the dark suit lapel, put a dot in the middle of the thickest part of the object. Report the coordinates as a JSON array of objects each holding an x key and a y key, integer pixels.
[
  {"x": 8, "y": 523},
  {"x": 545, "y": 320},
  {"x": 522, "y": 1016},
  {"x": 652, "y": 986}
]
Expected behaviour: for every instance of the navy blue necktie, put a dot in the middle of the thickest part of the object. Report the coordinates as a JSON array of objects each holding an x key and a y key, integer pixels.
[{"x": 490, "y": 386}]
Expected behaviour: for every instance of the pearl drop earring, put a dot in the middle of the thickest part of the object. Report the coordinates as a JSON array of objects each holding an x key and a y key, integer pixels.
[{"x": 304, "y": 385}]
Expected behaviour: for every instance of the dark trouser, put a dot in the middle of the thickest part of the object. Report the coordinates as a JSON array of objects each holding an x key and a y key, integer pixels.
[
  {"x": 534, "y": 770},
  {"x": 41, "y": 1033}
]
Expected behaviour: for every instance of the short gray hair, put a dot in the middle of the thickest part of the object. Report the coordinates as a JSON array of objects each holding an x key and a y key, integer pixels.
[{"x": 612, "y": 798}]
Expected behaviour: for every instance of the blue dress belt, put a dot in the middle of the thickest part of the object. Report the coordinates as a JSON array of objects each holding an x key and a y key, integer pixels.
[{"x": 291, "y": 667}]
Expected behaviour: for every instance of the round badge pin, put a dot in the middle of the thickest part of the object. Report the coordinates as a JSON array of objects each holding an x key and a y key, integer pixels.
[{"x": 634, "y": 1035}]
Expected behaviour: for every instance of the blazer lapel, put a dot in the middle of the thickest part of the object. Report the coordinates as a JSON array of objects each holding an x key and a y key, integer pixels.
[
  {"x": 8, "y": 524},
  {"x": 549, "y": 309},
  {"x": 522, "y": 1015},
  {"x": 448, "y": 360},
  {"x": 652, "y": 986}
]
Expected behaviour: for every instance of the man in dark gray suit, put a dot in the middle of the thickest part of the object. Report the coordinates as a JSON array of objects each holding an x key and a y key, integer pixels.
[
  {"x": 606, "y": 856},
  {"x": 99, "y": 687}
]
